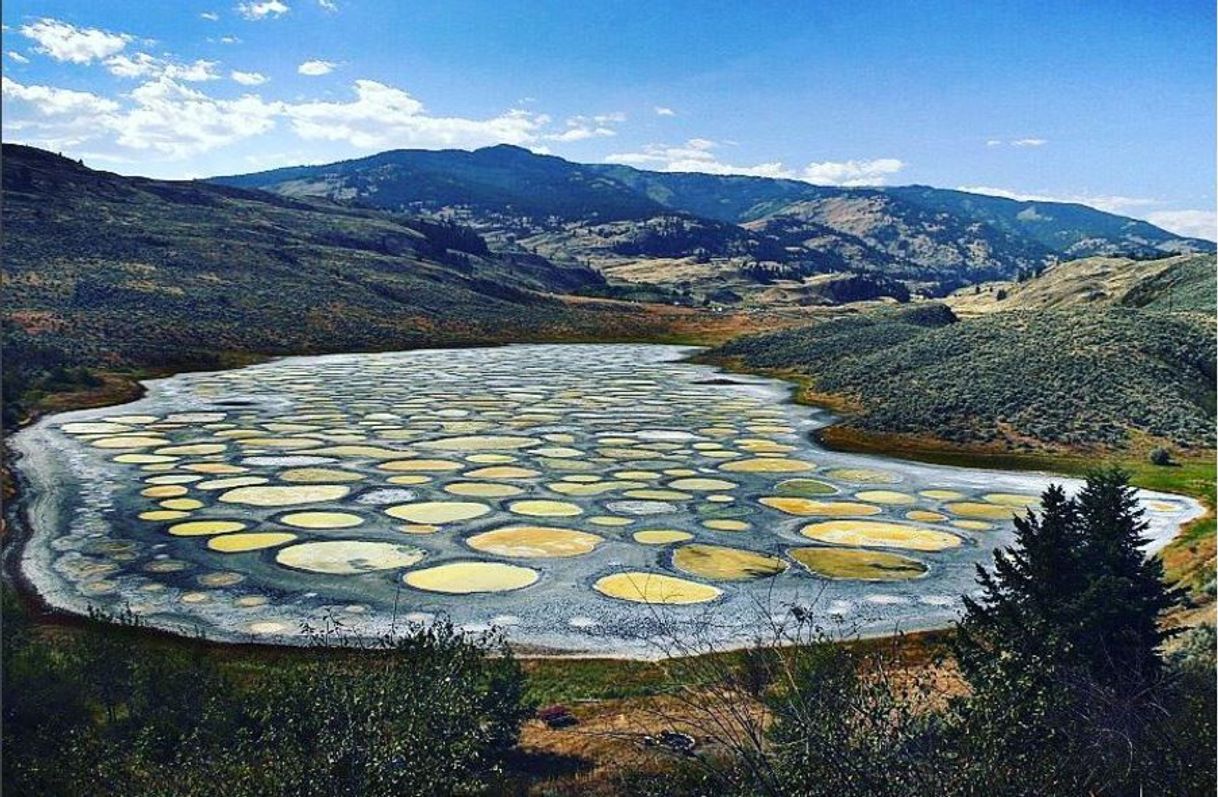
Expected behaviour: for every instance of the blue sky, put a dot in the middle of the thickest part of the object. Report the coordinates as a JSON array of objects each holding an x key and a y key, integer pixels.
[{"x": 1108, "y": 103}]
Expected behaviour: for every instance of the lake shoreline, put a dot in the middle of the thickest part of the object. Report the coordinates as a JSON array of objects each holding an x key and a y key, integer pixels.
[{"x": 23, "y": 524}]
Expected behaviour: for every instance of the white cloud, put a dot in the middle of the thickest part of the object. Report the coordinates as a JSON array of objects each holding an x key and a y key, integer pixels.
[
  {"x": 248, "y": 78},
  {"x": 328, "y": 5},
  {"x": 663, "y": 111},
  {"x": 1110, "y": 203},
  {"x": 383, "y": 117},
  {"x": 261, "y": 9},
  {"x": 65, "y": 42},
  {"x": 179, "y": 121},
  {"x": 211, "y": 16},
  {"x": 1029, "y": 142},
  {"x": 580, "y": 128},
  {"x": 1193, "y": 223},
  {"x": 52, "y": 101},
  {"x": 851, "y": 172},
  {"x": 18, "y": 57},
  {"x": 697, "y": 155},
  {"x": 316, "y": 68},
  {"x": 229, "y": 40},
  {"x": 993, "y": 142},
  {"x": 142, "y": 65}
]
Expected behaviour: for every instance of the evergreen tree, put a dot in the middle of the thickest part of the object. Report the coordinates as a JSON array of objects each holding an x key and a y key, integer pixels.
[{"x": 1125, "y": 595}]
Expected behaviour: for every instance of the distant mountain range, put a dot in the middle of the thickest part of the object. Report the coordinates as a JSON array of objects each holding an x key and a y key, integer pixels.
[{"x": 730, "y": 231}]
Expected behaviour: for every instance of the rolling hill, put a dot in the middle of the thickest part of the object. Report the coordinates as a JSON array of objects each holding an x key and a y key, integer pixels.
[{"x": 612, "y": 217}]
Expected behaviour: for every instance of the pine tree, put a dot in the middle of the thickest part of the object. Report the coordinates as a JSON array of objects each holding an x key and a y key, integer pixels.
[{"x": 1125, "y": 594}]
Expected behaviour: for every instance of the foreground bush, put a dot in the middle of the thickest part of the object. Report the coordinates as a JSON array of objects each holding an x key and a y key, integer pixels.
[{"x": 109, "y": 712}]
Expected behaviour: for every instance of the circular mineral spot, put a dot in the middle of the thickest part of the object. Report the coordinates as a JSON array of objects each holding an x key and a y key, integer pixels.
[
  {"x": 220, "y": 579},
  {"x": 542, "y": 508},
  {"x": 275, "y": 495},
  {"x": 192, "y": 449},
  {"x": 534, "y": 542},
  {"x": 360, "y": 452},
  {"x": 976, "y": 509},
  {"x": 879, "y": 534},
  {"x": 1013, "y": 499},
  {"x": 197, "y": 528},
  {"x": 502, "y": 472},
  {"x": 487, "y": 442},
  {"x": 144, "y": 459},
  {"x": 136, "y": 419},
  {"x": 163, "y": 491},
  {"x": 640, "y": 587},
  {"x": 250, "y": 601},
  {"x": 130, "y": 441},
  {"x": 438, "y": 512},
  {"x": 855, "y": 564},
  {"x": 726, "y": 524},
  {"x": 418, "y": 528},
  {"x": 811, "y": 506},
  {"x": 181, "y": 504},
  {"x": 214, "y": 468},
  {"x": 314, "y": 475},
  {"x": 285, "y": 443},
  {"x": 766, "y": 465},
  {"x": 725, "y": 564},
  {"x": 924, "y": 516},
  {"x": 94, "y": 427},
  {"x": 420, "y": 465},
  {"x": 661, "y": 536},
  {"x": 267, "y": 627},
  {"x": 348, "y": 557},
  {"x": 408, "y": 478},
  {"x": 490, "y": 459},
  {"x": 163, "y": 514},
  {"x": 941, "y": 495},
  {"x": 609, "y": 520},
  {"x": 891, "y": 497},
  {"x": 228, "y": 484},
  {"x": 482, "y": 489},
  {"x": 173, "y": 478},
  {"x": 804, "y": 488},
  {"x": 973, "y": 525},
  {"x": 321, "y": 520},
  {"x": 463, "y": 578},
  {"x": 702, "y": 484},
  {"x": 253, "y": 541},
  {"x": 864, "y": 476}
]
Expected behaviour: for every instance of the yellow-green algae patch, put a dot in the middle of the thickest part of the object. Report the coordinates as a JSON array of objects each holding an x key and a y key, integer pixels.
[
  {"x": 860, "y": 565},
  {"x": 314, "y": 475},
  {"x": 764, "y": 465},
  {"x": 482, "y": 489},
  {"x": 198, "y": 528},
  {"x": 542, "y": 508},
  {"x": 609, "y": 520},
  {"x": 726, "y": 524},
  {"x": 322, "y": 520},
  {"x": 661, "y": 536},
  {"x": 976, "y": 509},
  {"x": 640, "y": 587},
  {"x": 725, "y": 564},
  {"x": 891, "y": 497},
  {"x": 535, "y": 541},
  {"x": 942, "y": 495},
  {"x": 277, "y": 495},
  {"x": 253, "y": 541},
  {"x": 811, "y": 506},
  {"x": 438, "y": 512},
  {"x": 864, "y": 475},
  {"x": 463, "y": 578},
  {"x": 1016, "y": 500},
  {"x": 702, "y": 484},
  {"x": 924, "y": 516},
  {"x": 804, "y": 488},
  {"x": 348, "y": 557},
  {"x": 880, "y": 534}
]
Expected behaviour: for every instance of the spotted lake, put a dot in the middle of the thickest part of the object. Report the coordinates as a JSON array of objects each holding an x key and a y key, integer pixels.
[{"x": 599, "y": 499}]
